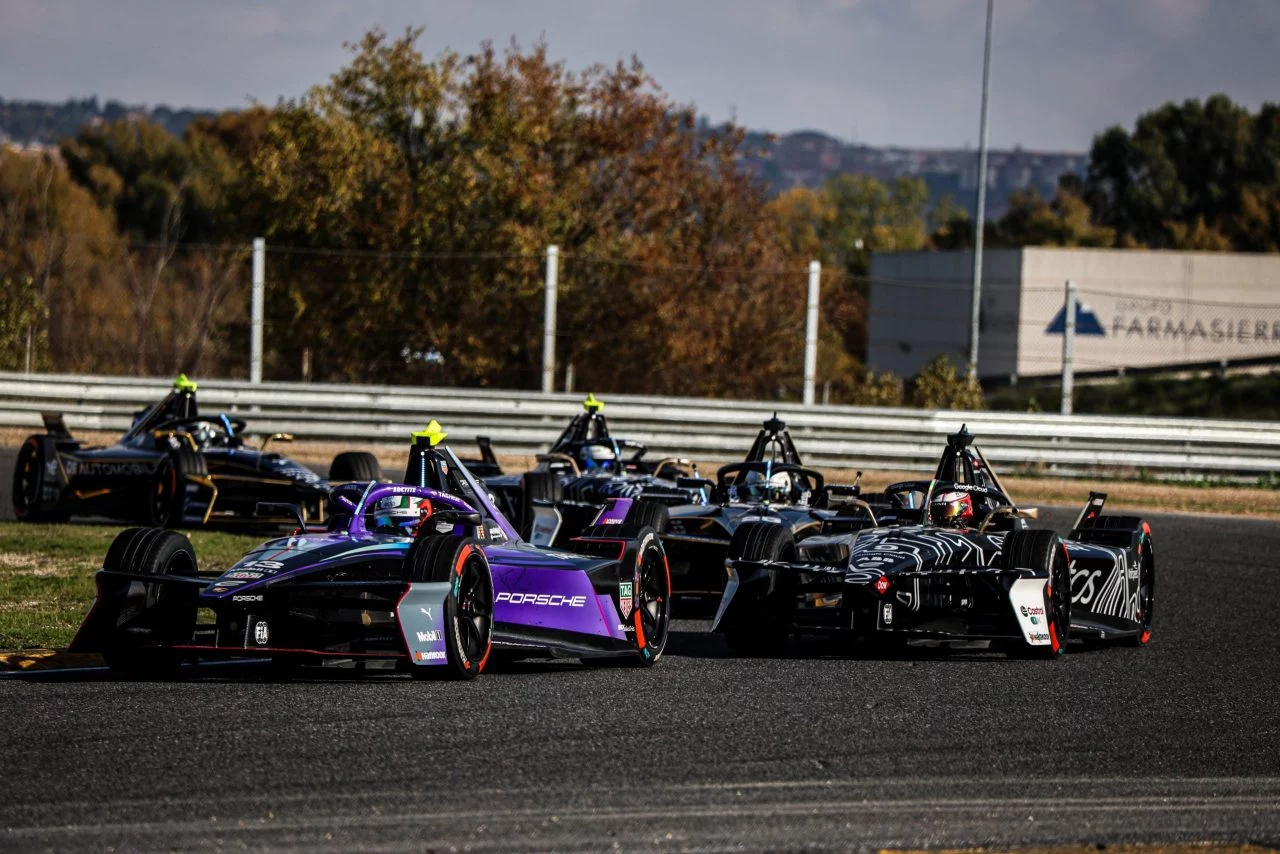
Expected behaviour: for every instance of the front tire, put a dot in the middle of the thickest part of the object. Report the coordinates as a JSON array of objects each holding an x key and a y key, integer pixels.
[
  {"x": 468, "y": 608},
  {"x": 165, "y": 616},
  {"x": 1044, "y": 551},
  {"x": 752, "y": 630},
  {"x": 168, "y": 503}
]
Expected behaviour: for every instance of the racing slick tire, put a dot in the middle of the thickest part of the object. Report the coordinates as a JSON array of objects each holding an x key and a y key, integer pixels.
[
  {"x": 468, "y": 608},
  {"x": 651, "y": 514},
  {"x": 29, "y": 473},
  {"x": 537, "y": 486},
  {"x": 358, "y": 466},
  {"x": 1043, "y": 550},
  {"x": 1147, "y": 569},
  {"x": 168, "y": 501},
  {"x": 650, "y": 615},
  {"x": 753, "y": 632},
  {"x": 150, "y": 551}
]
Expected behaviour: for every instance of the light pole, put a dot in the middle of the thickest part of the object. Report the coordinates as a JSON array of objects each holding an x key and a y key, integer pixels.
[{"x": 975, "y": 310}]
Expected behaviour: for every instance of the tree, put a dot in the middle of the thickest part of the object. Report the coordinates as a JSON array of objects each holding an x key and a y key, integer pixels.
[
  {"x": 1190, "y": 174},
  {"x": 451, "y": 176},
  {"x": 1063, "y": 221}
]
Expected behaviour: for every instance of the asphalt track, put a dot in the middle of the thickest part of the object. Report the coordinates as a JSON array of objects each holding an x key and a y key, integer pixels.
[{"x": 812, "y": 750}]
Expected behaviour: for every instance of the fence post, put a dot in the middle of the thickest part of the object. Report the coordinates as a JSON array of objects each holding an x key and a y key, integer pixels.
[
  {"x": 1068, "y": 347},
  {"x": 811, "y": 333},
  {"x": 255, "y": 333},
  {"x": 549, "y": 321}
]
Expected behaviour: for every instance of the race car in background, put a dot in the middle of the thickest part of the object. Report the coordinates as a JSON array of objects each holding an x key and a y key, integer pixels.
[
  {"x": 771, "y": 485},
  {"x": 585, "y": 468},
  {"x": 952, "y": 558},
  {"x": 427, "y": 574},
  {"x": 173, "y": 467}
]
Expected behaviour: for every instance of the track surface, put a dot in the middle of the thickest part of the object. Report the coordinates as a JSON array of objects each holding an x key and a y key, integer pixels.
[{"x": 1177, "y": 741}]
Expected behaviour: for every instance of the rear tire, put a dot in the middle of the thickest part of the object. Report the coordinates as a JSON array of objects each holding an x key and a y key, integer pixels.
[
  {"x": 1044, "y": 551},
  {"x": 29, "y": 482},
  {"x": 355, "y": 466},
  {"x": 1146, "y": 591},
  {"x": 650, "y": 514},
  {"x": 168, "y": 616},
  {"x": 753, "y": 631},
  {"x": 468, "y": 609}
]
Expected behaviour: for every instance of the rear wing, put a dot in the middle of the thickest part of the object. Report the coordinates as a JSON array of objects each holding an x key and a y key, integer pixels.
[{"x": 55, "y": 426}]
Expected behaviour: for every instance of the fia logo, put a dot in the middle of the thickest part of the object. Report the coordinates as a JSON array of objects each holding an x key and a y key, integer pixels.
[{"x": 260, "y": 633}]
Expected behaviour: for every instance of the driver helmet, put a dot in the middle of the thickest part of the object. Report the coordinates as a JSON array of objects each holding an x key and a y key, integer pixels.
[
  {"x": 952, "y": 509},
  {"x": 598, "y": 456},
  {"x": 399, "y": 513},
  {"x": 756, "y": 487},
  {"x": 202, "y": 433}
]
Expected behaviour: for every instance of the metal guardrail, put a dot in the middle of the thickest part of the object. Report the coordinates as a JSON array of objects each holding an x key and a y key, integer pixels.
[{"x": 709, "y": 430}]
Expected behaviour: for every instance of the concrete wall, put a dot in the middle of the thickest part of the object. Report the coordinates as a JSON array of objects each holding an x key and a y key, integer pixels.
[
  {"x": 1138, "y": 308},
  {"x": 1153, "y": 307}
]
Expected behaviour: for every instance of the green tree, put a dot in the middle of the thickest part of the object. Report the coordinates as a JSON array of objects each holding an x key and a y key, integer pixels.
[
  {"x": 941, "y": 385},
  {"x": 1201, "y": 174}
]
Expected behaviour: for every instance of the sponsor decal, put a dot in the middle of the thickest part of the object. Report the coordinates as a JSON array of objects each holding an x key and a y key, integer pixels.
[
  {"x": 495, "y": 533},
  {"x": 1035, "y": 621},
  {"x": 426, "y": 612},
  {"x": 613, "y": 520},
  {"x": 434, "y": 655},
  {"x": 428, "y": 637},
  {"x": 626, "y": 597},
  {"x": 1038, "y": 637},
  {"x": 887, "y": 611},
  {"x": 88, "y": 468},
  {"x": 550, "y": 600},
  {"x": 266, "y": 566},
  {"x": 246, "y": 598},
  {"x": 243, "y": 574},
  {"x": 1027, "y": 611},
  {"x": 260, "y": 633},
  {"x": 626, "y": 627},
  {"x": 1083, "y": 585}
]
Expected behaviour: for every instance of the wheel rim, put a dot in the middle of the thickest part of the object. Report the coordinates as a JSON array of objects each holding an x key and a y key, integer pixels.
[
  {"x": 475, "y": 609},
  {"x": 162, "y": 493},
  {"x": 1146, "y": 595},
  {"x": 25, "y": 496},
  {"x": 1059, "y": 606},
  {"x": 654, "y": 605}
]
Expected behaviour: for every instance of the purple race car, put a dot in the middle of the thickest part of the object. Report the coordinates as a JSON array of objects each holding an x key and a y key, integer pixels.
[{"x": 427, "y": 573}]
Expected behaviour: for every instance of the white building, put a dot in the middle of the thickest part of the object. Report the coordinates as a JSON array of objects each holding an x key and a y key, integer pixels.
[{"x": 1137, "y": 308}]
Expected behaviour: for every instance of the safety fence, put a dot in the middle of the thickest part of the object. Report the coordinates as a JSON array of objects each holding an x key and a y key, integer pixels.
[{"x": 706, "y": 430}]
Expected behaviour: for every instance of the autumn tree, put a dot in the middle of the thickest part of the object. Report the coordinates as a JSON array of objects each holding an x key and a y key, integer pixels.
[{"x": 444, "y": 180}]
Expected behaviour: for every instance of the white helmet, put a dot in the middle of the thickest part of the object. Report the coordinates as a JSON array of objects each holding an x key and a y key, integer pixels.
[
  {"x": 398, "y": 513},
  {"x": 597, "y": 456}
]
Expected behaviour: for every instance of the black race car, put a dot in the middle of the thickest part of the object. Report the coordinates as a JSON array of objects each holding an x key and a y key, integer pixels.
[
  {"x": 173, "y": 467},
  {"x": 585, "y": 468},
  {"x": 949, "y": 558},
  {"x": 770, "y": 486}
]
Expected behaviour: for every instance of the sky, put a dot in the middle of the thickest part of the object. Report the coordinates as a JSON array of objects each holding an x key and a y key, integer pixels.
[{"x": 881, "y": 72}]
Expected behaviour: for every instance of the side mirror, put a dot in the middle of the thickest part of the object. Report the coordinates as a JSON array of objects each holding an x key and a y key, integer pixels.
[{"x": 271, "y": 508}]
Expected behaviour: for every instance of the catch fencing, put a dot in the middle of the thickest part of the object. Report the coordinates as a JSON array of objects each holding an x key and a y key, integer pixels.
[{"x": 709, "y": 431}]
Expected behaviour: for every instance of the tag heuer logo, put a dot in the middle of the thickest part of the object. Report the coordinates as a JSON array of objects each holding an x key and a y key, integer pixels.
[{"x": 626, "y": 593}]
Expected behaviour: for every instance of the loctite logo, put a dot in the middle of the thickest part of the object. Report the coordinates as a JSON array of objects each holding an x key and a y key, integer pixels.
[{"x": 550, "y": 600}]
